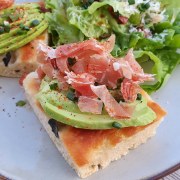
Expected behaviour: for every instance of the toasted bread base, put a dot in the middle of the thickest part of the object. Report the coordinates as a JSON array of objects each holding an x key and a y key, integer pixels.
[
  {"x": 97, "y": 156},
  {"x": 23, "y": 60}
]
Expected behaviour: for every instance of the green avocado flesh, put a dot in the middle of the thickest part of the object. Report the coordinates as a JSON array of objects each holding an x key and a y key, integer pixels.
[
  {"x": 22, "y": 30},
  {"x": 57, "y": 106}
]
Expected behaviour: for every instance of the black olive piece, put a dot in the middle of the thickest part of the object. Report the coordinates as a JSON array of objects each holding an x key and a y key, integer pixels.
[
  {"x": 54, "y": 127},
  {"x": 7, "y": 59}
]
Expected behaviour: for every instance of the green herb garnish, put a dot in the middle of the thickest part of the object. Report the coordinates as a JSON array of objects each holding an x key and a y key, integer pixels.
[
  {"x": 6, "y": 26},
  {"x": 116, "y": 125},
  {"x": 143, "y": 7},
  {"x": 139, "y": 97},
  {"x": 23, "y": 27},
  {"x": 21, "y": 103},
  {"x": 87, "y": 3},
  {"x": 53, "y": 86},
  {"x": 1, "y": 29},
  {"x": 71, "y": 61},
  {"x": 131, "y": 2},
  {"x": 35, "y": 23},
  {"x": 71, "y": 96}
]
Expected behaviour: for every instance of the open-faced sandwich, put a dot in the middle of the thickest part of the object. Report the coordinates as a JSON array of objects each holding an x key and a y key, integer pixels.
[
  {"x": 91, "y": 103},
  {"x": 21, "y": 28}
]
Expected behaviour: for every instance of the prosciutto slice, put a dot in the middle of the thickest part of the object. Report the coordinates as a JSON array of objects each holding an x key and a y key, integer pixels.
[
  {"x": 81, "y": 83},
  {"x": 91, "y": 105},
  {"x": 113, "y": 108},
  {"x": 129, "y": 90},
  {"x": 93, "y": 64}
]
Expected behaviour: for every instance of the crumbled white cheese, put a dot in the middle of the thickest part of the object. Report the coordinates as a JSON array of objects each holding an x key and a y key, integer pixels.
[
  {"x": 154, "y": 6},
  {"x": 6, "y": 23},
  {"x": 116, "y": 66},
  {"x": 156, "y": 17},
  {"x": 132, "y": 29},
  {"x": 178, "y": 50},
  {"x": 140, "y": 1}
]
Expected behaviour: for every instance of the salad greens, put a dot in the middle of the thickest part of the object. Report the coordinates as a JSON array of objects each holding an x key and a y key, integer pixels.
[{"x": 150, "y": 27}]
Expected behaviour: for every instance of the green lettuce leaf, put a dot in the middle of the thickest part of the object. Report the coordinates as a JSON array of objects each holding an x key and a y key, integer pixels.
[
  {"x": 164, "y": 63},
  {"x": 118, "y": 6},
  {"x": 61, "y": 30},
  {"x": 71, "y": 21},
  {"x": 91, "y": 25},
  {"x": 158, "y": 41}
]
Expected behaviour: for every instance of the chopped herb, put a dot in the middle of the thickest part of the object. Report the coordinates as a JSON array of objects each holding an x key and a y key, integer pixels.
[
  {"x": 116, "y": 125},
  {"x": 35, "y": 22},
  {"x": 53, "y": 86},
  {"x": 131, "y": 2},
  {"x": 71, "y": 61},
  {"x": 1, "y": 29},
  {"x": 87, "y": 3},
  {"x": 139, "y": 97},
  {"x": 20, "y": 103},
  {"x": 26, "y": 28},
  {"x": 71, "y": 96},
  {"x": 143, "y": 7},
  {"x": 7, "y": 28},
  {"x": 23, "y": 27}
]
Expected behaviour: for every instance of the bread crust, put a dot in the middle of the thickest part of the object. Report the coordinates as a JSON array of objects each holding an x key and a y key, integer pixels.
[
  {"x": 23, "y": 60},
  {"x": 94, "y": 155}
]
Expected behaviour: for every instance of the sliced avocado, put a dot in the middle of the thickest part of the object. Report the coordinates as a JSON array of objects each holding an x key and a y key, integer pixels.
[
  {"x": 16, "y": 27},
  {"x": 90, "y": 121},
  {"x": 58, "y": 107},
  {"x": 54, "y": 97},
  {"x": 22, "y": 15}
]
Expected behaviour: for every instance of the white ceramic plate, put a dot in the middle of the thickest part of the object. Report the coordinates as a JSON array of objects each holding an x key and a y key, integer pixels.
[{"x": 26, "y": 151}]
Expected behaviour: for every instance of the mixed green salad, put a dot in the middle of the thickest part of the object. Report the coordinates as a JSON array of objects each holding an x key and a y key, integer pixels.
[{"x": 150, "y": 27}]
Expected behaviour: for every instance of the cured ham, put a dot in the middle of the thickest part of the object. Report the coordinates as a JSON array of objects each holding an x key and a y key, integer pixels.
[
  {"x": 91, "y": 71},
  {"x": 129, "y": 90},
  {"x": 90, "y": 105},
  {"x": 81, "y": 83},
  {"x": 113, "y": 108},
  {"x": 6, "y": 3},
  {"x": 45, "y": 52}
]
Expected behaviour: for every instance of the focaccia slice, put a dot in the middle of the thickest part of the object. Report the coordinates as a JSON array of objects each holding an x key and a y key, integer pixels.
[
  {"x": 87, "y": 151},
  {"x": 22, "y": 60}
]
